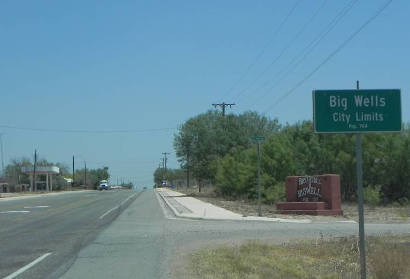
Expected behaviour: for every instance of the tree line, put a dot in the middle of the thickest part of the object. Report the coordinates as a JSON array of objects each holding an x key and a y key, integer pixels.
[
  {"x": 172, "y": 176},
  {"x": 218, "y": 150}
]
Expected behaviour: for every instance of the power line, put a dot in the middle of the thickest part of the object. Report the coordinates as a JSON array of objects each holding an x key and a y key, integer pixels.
[
  {"x": 86, "y": 131},
  {"x": 262, "y": 52},
  {"x": 283, "y": 51},
  {"x": 339, "y": 48},
  {"x": 285, "y": 71}
]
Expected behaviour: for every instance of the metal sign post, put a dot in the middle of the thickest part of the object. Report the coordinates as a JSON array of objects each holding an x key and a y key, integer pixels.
[
  {"x": 359, "y": 173},
  {"x": 258, "y": 141},
  {"x": 357, "y": 111}
]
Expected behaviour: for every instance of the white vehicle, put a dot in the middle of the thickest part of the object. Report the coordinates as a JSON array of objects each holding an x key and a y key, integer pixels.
[{"x": 104, "y": 185}]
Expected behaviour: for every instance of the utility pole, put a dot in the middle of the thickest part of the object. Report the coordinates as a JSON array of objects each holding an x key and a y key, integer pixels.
[
  {"x": 2, "y": 158},
  {"x": 160, "y": 164},
  {"x": 85, "y": 173},
  {"x": 72, "y": 183},
  {"x": 34, "y": 171},
  {"x": 165, "y": 163},
  {"x": 223, "y": 106}
]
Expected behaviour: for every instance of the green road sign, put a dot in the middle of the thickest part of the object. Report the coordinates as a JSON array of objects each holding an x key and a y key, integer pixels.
[
  {"x": 352, "y": 111},
  {"x": 258, "y": 138}
]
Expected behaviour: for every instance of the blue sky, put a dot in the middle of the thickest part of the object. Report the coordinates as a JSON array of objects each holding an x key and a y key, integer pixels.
[{"x": 143, "y": 65}]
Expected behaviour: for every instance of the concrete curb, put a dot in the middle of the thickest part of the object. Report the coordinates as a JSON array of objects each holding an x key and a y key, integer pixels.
[
  {"x": 252, "y": 218},
  {"x": 173, "y": 209}
]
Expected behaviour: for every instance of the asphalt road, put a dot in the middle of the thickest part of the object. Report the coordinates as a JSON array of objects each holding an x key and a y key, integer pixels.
[
  {"x": 60, "y": 224},
  {"x": 147, "y": 241},
  {"x": 144, "y": 241}
]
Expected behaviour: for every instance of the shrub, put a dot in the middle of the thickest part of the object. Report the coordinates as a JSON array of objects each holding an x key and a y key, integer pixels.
[
  {"x": 372, "y": 195},
  {"x": 275, "y": 193},
  {"x": 404, "y": 201}
]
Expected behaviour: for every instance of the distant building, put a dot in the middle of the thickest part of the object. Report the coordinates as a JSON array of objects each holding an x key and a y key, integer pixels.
[
  {"x": 47, "y": 171},
  {"x": 21, "y": 187},
  {"x": 4, "y": 187}
]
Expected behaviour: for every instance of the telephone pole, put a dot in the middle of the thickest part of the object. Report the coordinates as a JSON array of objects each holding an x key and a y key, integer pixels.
[
  {"x": 162, "y": 168},
  {"x": 72, "y": 183},
  {"x": 165, "y": 163},
  {"x": 223, "y": 105},
  {"x": 34, "y": 171},
  {"x": 85, "y": 173},
  {"x": 2, "y": 159}
]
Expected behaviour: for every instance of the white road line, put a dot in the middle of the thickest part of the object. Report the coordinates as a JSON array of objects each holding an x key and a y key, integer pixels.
[
  {"x": 116, "y": 207},
  {"x": 38, "y": 206},
  {"x": 14, "y": 211},
  {"x": 108, "y": 212},
  {"x": 30, "y": 265},
  {"x": 124, "y": 201}
]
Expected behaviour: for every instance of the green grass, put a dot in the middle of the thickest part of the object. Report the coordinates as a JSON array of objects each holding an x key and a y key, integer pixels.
[{"x": 388, "y": 258}]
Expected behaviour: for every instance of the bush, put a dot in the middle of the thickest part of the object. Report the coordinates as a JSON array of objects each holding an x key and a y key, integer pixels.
[
  {"x": 275, "y": 194},
  {"x": 404, "y": 201},
  {"x": 372, "y": 195}
]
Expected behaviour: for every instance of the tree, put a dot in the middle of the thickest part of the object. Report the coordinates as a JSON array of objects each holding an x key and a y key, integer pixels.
[
  {"x": 296, "y": 150},
  {"x": 13, "y": 171},
  {"x": 94, "y": 176},
  {"x": 218, "y": 149},
  {"x": 205, "y": 138}
]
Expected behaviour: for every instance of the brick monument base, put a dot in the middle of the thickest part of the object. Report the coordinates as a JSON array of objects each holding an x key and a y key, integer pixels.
[{"x": 312, "y": 195}]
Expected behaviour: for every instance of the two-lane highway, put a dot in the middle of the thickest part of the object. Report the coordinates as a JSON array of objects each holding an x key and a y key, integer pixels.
[
  {"x": 40, "y": 236},
  {"x": 67, "y": 236}
]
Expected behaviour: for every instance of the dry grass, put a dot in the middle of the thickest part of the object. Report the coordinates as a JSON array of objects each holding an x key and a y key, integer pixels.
[
  {"x": 388, "y": 258},
  {"x": 380, "y": 214}
]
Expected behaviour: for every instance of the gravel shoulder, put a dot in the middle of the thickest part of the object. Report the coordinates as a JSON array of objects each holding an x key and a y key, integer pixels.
[{"x": 379, "y": 214}]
